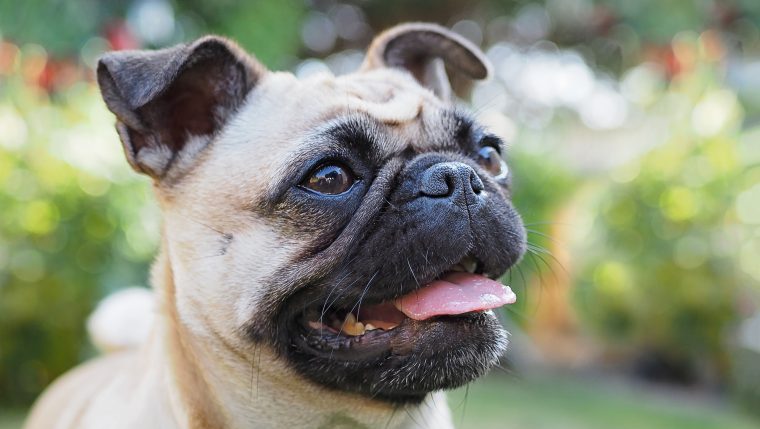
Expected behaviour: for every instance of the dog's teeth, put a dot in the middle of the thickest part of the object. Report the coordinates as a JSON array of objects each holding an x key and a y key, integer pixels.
[
  {"x": 354, "y": 330},
  {"x": 351, "y": 326},
  {"x": 369, "y": 327}
]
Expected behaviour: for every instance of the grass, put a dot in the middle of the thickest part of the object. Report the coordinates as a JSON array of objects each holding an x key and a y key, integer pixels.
[
  {"x": 498, "y": 402},
  {"x": 565, "y": 403},
  {"x": 11, "y": 419}
]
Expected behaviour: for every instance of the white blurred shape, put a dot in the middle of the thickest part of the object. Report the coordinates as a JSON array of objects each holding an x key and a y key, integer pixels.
[
  {"x": 318, "y": 32},
  {"x": 573, "y": 81},
  {"x": 152, "y": 20},
  {"x": 642, "y": 83},
  {"x": 14, "y": 129},
  {"x": 122, "y": 320},
  {"x": 345, "y": 62},
  {"x": 499, "y": 52},
  {"x": 498, "y": 123},
  {"x": 510, "y": 66},
  {"x": 349, "y": 20},
  {"x": 489, "y": 95},
  {"x": 89, "y": 145},
  {"x": 605, "y": 109},
  {"x": 470, "y": 30},
  {"x": 311, "y": 67},
  {"x": 713, "y": 113},
  {"x": 536, "y": 78},
  {"x": 534, "y": 116}
]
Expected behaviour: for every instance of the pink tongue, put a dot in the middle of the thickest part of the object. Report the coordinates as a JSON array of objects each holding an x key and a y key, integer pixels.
[{"x": 455, "y": 293}]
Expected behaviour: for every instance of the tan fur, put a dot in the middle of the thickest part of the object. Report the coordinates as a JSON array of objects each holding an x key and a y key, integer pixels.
[{"x": 197, "y": 370}]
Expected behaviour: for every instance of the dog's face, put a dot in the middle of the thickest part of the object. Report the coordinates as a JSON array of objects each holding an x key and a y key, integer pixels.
[{"x": 350, "y": 223}]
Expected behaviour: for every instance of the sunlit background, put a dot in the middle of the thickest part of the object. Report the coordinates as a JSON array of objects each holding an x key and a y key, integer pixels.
[{"x": 634, "y": 130}]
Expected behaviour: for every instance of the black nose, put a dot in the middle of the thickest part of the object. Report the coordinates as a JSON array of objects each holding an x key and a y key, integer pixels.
[{"x": 454, "y": 180}]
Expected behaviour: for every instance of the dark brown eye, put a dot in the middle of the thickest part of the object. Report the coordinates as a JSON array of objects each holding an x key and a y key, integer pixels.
[
  {"x": 490, "y": 159},
  {"x": 329, "y": 179}
]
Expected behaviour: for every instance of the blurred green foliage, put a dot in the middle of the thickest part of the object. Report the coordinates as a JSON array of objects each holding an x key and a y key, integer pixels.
[
  {"x": 540, "y": 187},
  {"x": 74, "y": 225},
  {"x": 61, "y": 26},
  {"x": 660, "y": 269},
  {"x": 271, "y": 29}
]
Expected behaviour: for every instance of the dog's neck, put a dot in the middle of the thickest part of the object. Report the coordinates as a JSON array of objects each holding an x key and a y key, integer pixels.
[{"x": 213, "y": 384}]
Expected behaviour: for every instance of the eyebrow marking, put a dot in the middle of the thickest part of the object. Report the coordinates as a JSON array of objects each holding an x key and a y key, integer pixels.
[
  {"x": 354, "y": 127},
  {"x": 463, "y": 125}
]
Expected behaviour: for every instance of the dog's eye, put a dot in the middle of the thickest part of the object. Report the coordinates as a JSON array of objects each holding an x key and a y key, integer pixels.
[
  {"x": 331, "y": 179},
  {"x": 490, "y": 159}
]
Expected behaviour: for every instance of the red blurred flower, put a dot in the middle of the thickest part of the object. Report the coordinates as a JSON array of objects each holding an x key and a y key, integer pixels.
[{"x": 119, "y": 36}]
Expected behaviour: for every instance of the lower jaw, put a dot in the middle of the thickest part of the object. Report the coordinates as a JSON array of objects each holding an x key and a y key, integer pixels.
[
  {"x": 422, "y": 356},
  {"x": 399, "y": 340}
]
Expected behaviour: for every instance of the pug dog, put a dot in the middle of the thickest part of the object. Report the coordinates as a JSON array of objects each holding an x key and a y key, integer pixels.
[{"x": 330, "y": 245}]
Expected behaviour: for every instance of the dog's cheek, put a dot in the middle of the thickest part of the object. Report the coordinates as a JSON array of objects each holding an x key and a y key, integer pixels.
[
  {"x": 221, "y": 273},
  {"x": 259, "y": 253}
]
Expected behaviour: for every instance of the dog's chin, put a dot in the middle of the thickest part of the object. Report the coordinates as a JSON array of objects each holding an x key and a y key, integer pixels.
[{"x": 379, "y": 351}]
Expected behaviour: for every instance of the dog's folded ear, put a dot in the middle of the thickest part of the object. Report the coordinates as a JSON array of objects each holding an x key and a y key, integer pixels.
[
  {"x": 165, "y": 99},
  {"x": 425, "y": 50}
]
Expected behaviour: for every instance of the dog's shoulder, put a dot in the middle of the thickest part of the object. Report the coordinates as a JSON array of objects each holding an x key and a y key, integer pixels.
[{"x": 65, "y": 402}]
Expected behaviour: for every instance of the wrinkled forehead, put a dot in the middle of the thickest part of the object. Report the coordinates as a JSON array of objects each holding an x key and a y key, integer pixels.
[{"x": 389, "y": 97}]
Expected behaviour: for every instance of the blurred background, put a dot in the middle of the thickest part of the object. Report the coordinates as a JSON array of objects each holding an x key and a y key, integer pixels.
[{"x": 634, "y": 130}]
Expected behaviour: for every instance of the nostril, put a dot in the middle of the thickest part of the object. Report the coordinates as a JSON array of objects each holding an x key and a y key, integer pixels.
[
  {"x": 476, "y": 183},
  {"x": 450, "y": 184}
]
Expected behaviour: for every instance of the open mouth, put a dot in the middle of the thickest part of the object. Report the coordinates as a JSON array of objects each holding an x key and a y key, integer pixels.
[{"x": 460, "y": 295}]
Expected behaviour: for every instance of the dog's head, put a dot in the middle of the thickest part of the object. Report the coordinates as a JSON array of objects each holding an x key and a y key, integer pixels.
[{"x": 352, "y": 223}]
